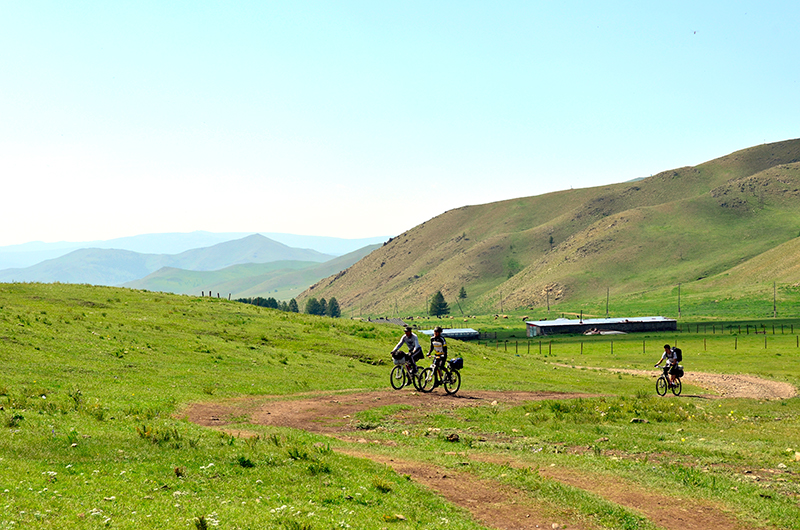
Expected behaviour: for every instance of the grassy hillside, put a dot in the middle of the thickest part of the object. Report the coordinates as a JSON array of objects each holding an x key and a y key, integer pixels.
[
  {"x": 95, "y": 380},
  {"x": 571, "y": 247},
  {"x": 233, "y": 279}
]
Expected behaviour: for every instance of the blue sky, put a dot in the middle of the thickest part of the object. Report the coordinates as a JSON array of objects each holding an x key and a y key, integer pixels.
[{"x": 359, "y": 119}]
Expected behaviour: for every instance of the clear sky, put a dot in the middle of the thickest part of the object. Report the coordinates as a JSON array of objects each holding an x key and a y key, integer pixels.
[{"x": 359, "y": 119}]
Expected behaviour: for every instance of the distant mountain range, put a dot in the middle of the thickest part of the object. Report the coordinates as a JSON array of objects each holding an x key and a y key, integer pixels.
[
  {"x": 28, "y": 254},
  {"x": 250, "y": 266}
]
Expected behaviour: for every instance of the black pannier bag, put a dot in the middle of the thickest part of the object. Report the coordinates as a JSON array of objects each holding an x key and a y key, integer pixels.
[
  {"x": 418, "y": 356},
  {"x": 456, "y": 364}
]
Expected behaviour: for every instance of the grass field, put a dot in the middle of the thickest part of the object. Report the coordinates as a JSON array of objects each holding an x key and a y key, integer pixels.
[{"x": 95, "y": 380}]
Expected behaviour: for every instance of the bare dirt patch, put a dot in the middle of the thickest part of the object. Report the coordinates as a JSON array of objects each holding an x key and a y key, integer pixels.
[
  {"x": 332, "y": 413},
  {"x": 494, "y": 504}
]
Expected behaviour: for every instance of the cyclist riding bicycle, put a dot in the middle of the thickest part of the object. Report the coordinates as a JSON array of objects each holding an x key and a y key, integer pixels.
[
  {"x": 414, "y": 349},
  {"x": 439, "y": 349},
  {"x": 671, "y": 367}
]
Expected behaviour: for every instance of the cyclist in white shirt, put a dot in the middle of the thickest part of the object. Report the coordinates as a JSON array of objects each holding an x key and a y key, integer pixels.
[{"x": 410, "y": 340}]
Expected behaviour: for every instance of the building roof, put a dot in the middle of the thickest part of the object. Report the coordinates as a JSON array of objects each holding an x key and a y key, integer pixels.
[
  {"x": 454, "y": 333},
  {"x": 596, "y": 321}
]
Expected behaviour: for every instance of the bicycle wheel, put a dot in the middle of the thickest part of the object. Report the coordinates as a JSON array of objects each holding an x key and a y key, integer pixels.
[
  {"x": 416, "y": 379},
  {"x": 452, "y": 381},
  {"x": 661, "y": 385},
  {"x": 677, "y": 388},
  {"x": 398, "y": 377},
  {"x": 426, "y": 379}
]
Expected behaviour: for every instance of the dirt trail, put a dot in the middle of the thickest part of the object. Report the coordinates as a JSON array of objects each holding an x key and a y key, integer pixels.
[
  {"x": 667, "y": 512},
  {"x": 725, "y": 385},
  {"x": 493, "y": 504}
]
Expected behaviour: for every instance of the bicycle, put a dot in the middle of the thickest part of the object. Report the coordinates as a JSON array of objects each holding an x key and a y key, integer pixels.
[
  {"x": 450, "y": 379},
  {"x": 401, "y": 375},
  {"x": 663, "y": 383}
]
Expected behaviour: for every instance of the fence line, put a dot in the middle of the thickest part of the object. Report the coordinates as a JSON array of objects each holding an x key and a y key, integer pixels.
[{"x": 496, "y": 344}]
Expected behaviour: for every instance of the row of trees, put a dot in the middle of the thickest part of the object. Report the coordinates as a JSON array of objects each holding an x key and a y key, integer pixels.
[
  {"x": 323, "y": 308},
  {"x": 331, "y": 307},
  {"x": 290, "y": 306},
  {"x": 313, "y": 306}
]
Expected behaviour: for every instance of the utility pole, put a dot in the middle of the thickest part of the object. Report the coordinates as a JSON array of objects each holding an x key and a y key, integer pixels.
[
  {"x": 607, "y": 291},
  {"x": 774, "y": 300},
  {"x": 679, "y": 300}
]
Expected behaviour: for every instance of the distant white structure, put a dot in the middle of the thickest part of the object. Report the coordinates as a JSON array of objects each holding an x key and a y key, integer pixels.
[{"x": 460, "y": 334}]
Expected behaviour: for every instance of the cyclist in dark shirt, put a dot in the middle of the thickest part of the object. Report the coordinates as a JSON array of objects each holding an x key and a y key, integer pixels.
[
  {"x": 671, "y": 367},
  {"x": 439, "y": 350}
]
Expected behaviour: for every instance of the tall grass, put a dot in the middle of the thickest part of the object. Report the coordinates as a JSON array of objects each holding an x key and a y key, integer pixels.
[{"x": 96, "y": 378}]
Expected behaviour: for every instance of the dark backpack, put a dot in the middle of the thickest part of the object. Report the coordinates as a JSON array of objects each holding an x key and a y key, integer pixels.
[{"x": 678, "y": 354}]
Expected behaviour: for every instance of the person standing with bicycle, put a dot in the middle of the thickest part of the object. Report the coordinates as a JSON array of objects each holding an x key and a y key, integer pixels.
[
  {"x": 414, "y": 349},
  {"x": 671, "y": 367},
  {"x": 439, "y": 349}
]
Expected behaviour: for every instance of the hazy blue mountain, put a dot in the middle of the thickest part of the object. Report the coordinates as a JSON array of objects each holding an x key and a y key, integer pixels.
[
  {"x": 115, "y": 267},
  {"x": 28, "y": 254},
  {"x": 94, "y": 266},
  {"x": 251, "y": 249},
  {"x": 327, "y": 245}
]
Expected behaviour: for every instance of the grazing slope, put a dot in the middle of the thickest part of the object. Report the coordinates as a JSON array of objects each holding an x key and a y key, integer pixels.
[{"x": 681, "y": 225}]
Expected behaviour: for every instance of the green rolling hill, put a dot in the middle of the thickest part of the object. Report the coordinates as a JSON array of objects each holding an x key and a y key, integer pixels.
[
  {"x": 732, "y": 215},
  {"x": 279, "y": 279}
]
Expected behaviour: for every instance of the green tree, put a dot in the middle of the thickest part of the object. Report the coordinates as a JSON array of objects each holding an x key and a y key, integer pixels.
[
  {"x": 312, "y": 306},
  {"x": 323, "y": 307},
  {"x": 462, "y": 294},
  {"x": 334, "y": 310},
  {"x": 438, "y": 306},
  {"x": 293, "y": 306}
]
